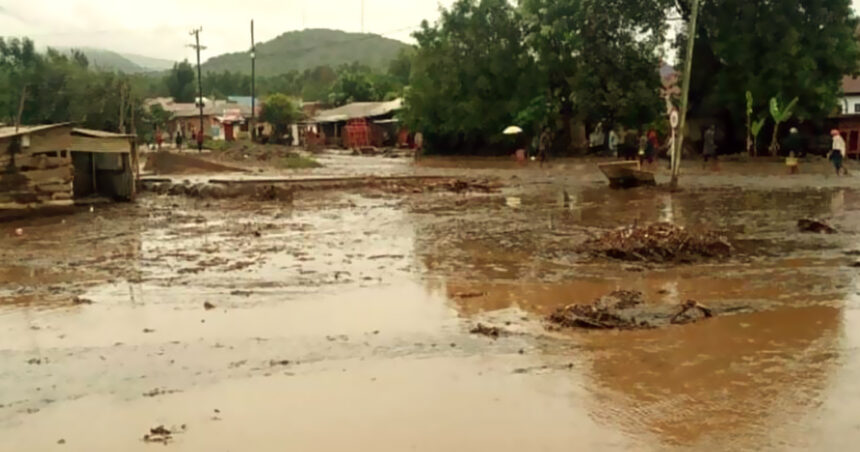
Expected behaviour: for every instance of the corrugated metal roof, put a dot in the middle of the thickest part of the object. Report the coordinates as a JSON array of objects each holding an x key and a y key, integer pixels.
[
  {"x": 100, "y": 134},
  {"x": 6, "y": 132},
  {"x": 850, "y": 85},
  {"x": 357, "y": 110}
]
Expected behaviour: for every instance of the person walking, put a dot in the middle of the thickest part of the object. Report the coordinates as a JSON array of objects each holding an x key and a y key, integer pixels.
[{"x": 837, "y": 152}]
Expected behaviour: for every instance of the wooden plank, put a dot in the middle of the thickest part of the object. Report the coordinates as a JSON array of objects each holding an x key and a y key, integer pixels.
[
  {"x": 56, "y": 139},
  {"x": 63, "y": 172},
  {"x": 31, "y": 162}
]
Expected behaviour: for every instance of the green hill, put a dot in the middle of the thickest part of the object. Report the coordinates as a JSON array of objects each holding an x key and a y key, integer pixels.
[
  {"x": 107, "y": 60},
  {"x": 307, "y": 49},
  {"x": 149, "y": 63}
]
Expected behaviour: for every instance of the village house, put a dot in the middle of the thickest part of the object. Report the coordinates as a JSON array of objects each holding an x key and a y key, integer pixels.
[
  {"x": 359, "y": 124},
  {"x": 222, "y": 119},
  {"x": 58, "y": 165},
  {"x": 848, "y": 118}
]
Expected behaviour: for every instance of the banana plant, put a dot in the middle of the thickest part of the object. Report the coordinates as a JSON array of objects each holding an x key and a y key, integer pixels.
[
  {"x": 779, "y": 116},
  {"x": 755, "y": 129},
  {"x": 749, "y": 123}
]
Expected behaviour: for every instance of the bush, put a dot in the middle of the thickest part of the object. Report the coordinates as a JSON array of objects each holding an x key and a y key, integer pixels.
[{"x": 298, "y": 162}]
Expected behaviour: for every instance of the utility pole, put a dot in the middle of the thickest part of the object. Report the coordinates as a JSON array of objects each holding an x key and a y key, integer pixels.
[
  {"x": 252, "y": 125},
  {"x": 362, "y": 16},
  {"x": 685, "y": 93},
  {"x": 196, "y": 46}
]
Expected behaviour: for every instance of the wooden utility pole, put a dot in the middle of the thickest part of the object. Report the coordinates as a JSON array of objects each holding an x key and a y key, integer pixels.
[
  {"x": 685, "y": 92},
  {"x": 21, "y": 107},
  {"x": 362, "y": 16},
  {"x": 253, "y": 125},
  {"x": 196, "y": 45}
]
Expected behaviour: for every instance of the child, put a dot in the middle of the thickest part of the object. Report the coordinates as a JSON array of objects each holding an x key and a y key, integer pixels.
[{"x": 837, "y": 153}]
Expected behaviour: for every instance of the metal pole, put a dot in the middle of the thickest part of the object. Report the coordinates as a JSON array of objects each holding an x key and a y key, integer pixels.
[
  {"x": 685, "y": 92},
  {"x": 252, "y": 125},
  {"x": 199, "y": 88}
]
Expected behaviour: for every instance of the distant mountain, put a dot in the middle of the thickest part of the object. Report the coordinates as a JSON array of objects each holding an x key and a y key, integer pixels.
[
  {"x": 108, "y": 60},
  {"x": 307, "y": 49},
  {"x": 149, "y": 63}
]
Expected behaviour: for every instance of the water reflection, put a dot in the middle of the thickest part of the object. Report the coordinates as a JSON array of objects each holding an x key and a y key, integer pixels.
[{"x": 736, "y": 381}]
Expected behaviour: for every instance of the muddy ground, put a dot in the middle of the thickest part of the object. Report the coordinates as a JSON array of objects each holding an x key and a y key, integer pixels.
[{"x": 344, "y": 320}]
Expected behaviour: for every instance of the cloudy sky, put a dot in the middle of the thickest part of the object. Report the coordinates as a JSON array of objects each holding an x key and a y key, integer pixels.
[{"x": 159, "y": 28}]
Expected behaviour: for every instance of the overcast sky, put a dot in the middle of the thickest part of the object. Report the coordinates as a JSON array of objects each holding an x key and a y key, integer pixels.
[{"x": 159, "y": 28}]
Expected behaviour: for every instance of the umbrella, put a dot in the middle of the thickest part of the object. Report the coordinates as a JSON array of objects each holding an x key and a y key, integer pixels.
[{"x": 513, "y": 130}]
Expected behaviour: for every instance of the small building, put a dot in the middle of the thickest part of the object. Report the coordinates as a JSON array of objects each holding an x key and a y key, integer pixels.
[
  {"x": 359, "y": 124},
  {"x": 58, "y": 165},
  {"x": 848, "y": 118}
]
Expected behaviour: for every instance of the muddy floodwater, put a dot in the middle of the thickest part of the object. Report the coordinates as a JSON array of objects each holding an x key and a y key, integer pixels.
[{"x": 342, "y": 321}]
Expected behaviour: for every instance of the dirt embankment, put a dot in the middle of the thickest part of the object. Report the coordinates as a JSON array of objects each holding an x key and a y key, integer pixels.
[{"x": 172, "y": 163}]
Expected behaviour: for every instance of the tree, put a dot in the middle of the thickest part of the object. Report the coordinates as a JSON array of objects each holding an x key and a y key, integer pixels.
[
  {"x": 401, "y": 66},
  {"x": 471, "y": 75},
  {"x": 779, "y": 116},
  {"x": 180, "y": 82},
  {"x": 280, "y": 111},
  {"x": 778, "y": 48},
  {"x": 599, "y": 58},
  {"x": 352, "y": 86}
]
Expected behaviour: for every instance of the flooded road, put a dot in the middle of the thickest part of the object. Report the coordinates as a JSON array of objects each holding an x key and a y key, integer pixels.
[{"x": 343, "y": 321}]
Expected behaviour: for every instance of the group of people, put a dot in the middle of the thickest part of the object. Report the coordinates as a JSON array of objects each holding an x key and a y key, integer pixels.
[{"x": 178, "y": 138}]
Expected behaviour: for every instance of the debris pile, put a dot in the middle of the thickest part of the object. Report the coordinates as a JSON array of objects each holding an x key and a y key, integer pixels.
[
  {"x": 162, "y": 434},
  {"x": 442, "y": 185},
  {"x": 815, "y": 226},
  {"x": 627, "y": 310},
  {"x": 489, "y": 331},
  {"x": 268, "y": 192},
  {"x": 658, "y": 242}
]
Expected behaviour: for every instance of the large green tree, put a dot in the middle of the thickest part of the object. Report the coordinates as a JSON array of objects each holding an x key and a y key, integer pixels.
[
  {"x": 599, "y": 59},
  {"x": 180, "y": 82},
  {"x": 471, "y": 75},
  {"x": 775, "y": 49},
  {"x": 353, "y": 86},
  {"x": 280, "y": 111}
]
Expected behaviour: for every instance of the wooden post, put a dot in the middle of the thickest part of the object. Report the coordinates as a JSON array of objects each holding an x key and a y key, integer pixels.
[
  {"x": 685, "y": 93},
  {"x": 20, "y": 108},
  {"x": 252, "y": 125}
]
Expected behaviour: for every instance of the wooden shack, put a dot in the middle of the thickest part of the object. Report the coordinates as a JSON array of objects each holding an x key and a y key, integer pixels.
[{"x": 56, "y": 165}]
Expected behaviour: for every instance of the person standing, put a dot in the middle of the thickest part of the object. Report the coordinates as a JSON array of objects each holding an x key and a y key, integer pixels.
[
  {"x": 792, "y": 146},
  {"x": 613, "y": 142},
  {"x": 838, "y": 152},
  {"x": 178, "y": 139},
  {"x": 544, "y": 146},
  {"x": 710, "y": 148},
  {"x": 418, "y": 141}
]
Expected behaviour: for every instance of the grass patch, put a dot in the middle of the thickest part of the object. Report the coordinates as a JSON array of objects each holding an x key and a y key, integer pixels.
[
  {"x": 216, "y": 145},
  {"x": 298, "y": 162}
]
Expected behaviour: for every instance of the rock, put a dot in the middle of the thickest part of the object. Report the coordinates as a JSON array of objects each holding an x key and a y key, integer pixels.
[
  {"x": 208, "y": 306},
  {"x": 815, "y": 226}
]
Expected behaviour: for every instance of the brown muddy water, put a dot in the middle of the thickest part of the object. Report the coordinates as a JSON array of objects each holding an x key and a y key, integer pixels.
[{"x": 342, "y": 323}]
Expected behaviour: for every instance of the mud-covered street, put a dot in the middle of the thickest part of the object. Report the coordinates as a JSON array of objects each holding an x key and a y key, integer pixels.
[{"x": 344, "y": 320}]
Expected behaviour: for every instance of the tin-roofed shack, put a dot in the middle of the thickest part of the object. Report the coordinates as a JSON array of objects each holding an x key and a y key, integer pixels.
[
  {"x": 55, "y": 165},
  {"x": 359, "y": 124}
]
